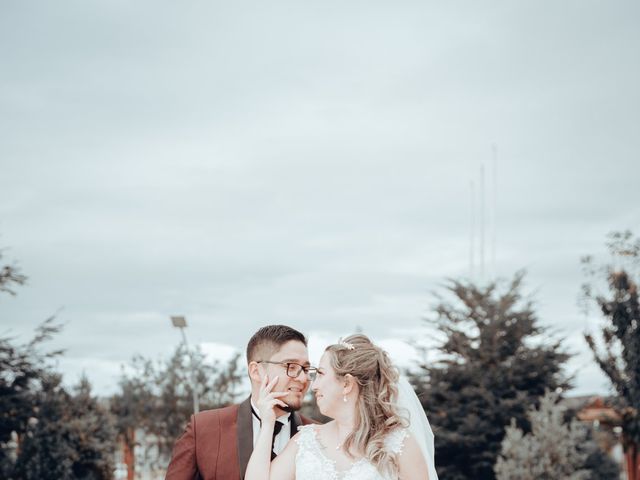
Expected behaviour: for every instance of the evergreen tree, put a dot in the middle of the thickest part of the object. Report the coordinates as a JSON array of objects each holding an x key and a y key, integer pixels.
[
  {"x": 71, "y": 436},
  {"x": 22, "y": 371},
  {"x": 619, "y": 357},
  {"x": 45, "y": 432},
  {"x": 553, "y": 450},
  {"x": 45, "y": 452},
  {"x": 23, "y": 368},
  {"x": 495, "y": 362},
  {"x": 93, "y": 435}
]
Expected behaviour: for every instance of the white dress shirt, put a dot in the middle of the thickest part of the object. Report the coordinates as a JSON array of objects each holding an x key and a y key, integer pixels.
[{"x": 281, "y": 439}]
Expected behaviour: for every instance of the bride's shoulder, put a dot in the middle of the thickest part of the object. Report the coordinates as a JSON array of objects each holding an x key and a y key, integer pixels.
[
  {"x": 311, "y": 431},
  {"x": 411, "y": 459},
  {"x": 396, "y": 439},
  {"x": 307, "y": 432},
  {"x": 316, "y": 427}
]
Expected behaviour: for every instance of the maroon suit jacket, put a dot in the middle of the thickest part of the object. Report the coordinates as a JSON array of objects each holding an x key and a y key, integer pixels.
[{"x": 217, "y": 444}]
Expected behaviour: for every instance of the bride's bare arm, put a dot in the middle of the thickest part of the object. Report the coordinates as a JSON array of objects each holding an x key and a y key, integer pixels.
[
  {"x": 283, "y": 466},
  {"x": 260, "y": 461},
  {"x": 413, "y": 465},
  {"x": 259, "y": 466}
]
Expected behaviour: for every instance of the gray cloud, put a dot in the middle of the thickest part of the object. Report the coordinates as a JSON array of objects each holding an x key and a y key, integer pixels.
[{"x": 309, "y": 164}]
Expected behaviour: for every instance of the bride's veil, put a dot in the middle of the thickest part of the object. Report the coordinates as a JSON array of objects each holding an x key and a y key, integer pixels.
[{"x": 418, "y": 423}]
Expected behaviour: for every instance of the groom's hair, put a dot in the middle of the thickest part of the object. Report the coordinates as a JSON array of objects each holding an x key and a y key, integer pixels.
[{"x": 268, "y": 340}]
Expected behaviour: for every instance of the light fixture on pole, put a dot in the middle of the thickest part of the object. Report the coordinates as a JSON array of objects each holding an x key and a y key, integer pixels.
[{"x": 180, "y": 322}]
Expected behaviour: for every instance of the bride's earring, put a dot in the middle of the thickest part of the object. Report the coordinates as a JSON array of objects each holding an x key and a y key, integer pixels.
[{"x": 344, "y": 399}]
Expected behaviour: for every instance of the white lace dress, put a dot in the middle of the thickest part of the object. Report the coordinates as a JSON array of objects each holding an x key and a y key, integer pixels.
[{"x": 313, "y": 464}]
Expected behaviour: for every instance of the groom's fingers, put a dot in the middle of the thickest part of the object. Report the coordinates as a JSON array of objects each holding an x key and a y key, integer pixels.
[
  {"x": 271, "y": 384},
  {"x": 275, "y": 401},
  {"x": 279, "y": 394}
]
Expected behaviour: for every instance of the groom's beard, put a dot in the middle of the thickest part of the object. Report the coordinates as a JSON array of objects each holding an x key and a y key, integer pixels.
[{"x": 292, "y": 406}]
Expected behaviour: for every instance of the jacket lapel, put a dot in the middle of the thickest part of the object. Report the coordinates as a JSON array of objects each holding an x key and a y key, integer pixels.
[{"x": 245, "y": 435}]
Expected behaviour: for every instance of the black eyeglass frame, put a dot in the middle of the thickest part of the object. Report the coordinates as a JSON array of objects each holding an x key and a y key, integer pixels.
[{"x": 310, "y": 371}]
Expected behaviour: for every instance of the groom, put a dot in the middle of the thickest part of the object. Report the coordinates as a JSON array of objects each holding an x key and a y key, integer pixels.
[{"x": 217, "y": 444}]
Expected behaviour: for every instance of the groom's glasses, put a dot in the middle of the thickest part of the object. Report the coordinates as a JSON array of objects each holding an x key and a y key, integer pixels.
[{"x": 294, "y": 369}]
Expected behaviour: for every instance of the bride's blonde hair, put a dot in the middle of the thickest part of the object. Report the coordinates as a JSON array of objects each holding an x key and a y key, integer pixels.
[{"x": 376, "y": 412}]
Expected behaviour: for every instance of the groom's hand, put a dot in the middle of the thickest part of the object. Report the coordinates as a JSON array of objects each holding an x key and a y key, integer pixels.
[{"x": 268, "y": 400}]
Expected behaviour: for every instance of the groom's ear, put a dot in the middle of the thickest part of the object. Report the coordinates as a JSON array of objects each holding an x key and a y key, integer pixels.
[{"x": 254, "y": 372}]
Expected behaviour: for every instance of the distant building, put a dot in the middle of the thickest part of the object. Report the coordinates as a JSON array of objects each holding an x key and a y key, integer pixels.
[{"x": 605, "y": 421}]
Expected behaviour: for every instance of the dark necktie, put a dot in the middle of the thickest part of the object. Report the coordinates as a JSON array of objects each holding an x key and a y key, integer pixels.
[{"x": 276, "y": 430}]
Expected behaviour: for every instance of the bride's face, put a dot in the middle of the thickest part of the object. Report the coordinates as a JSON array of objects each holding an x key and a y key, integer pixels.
[{"x": 327, "y": 388}]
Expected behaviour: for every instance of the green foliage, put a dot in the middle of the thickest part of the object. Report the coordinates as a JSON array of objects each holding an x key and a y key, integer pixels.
[
  {"x": 71, "y": 437},
  {"x": 554, "y": 450},
  {"x": 157, "y": 397},
  {"x": 92, "y": 433},
  {"x": 495, "y": 362},
  {"x": 45, "y": 432},
  {"x": 22, "y": 368},
  {"x": 45, "y": 451},
  {"x": 10, "y": 275},
  {"x": 130, "y": 407}
]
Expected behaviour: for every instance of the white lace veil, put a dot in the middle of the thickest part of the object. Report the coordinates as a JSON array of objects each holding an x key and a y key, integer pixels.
[{"x": 418, "y": 423}]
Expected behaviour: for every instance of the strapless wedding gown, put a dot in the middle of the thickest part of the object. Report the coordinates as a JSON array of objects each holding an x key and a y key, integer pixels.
[{"x": 313, "y": 464}]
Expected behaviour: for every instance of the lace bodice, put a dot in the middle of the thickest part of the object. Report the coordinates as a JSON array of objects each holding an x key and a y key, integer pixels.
[{"x": 313, "y": 464}]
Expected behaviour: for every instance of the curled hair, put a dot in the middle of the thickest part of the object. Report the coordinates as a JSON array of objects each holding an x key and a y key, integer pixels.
[{"x": 376, "y": 411}]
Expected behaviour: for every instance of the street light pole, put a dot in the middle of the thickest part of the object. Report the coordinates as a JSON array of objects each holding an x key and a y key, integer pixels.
[{"x": 181, "y": 323}]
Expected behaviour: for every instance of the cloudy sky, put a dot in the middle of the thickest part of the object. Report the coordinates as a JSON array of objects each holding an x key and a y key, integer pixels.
[{"x": 308, "y": 163}]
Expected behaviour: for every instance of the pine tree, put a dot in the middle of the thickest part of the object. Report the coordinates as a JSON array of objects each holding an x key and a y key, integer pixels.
[
  {"x": 495, "y": 362},
  {"x": 93, "y": 434},
  {"x": 553, "y": 450},
  {"x": 45, "y": 452},
  {"x": 45, "y": 432},
  {"x": 23, "y": 369},
  {"x": 71, "y": 436}
]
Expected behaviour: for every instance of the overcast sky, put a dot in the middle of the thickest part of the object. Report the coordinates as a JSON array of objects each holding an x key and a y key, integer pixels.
[{"x": 307, "y": 163}]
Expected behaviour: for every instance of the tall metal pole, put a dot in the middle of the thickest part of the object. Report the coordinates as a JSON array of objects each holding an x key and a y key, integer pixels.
[
  {"x": 482, "y": 222},
  {"x": 472, "y": 233},
  {"x": 181, "y": 323},
  {"x": 494, "y": 222}
]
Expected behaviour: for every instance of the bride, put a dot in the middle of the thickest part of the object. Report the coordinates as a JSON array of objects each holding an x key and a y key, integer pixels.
[{"x": 379, "y": 431}]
